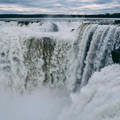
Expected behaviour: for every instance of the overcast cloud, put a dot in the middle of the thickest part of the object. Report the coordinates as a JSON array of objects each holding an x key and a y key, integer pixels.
[{"x": 59, "y": 6}]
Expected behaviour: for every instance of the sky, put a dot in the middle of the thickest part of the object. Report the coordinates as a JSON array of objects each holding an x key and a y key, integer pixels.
[{"x": 59, "y": 6}]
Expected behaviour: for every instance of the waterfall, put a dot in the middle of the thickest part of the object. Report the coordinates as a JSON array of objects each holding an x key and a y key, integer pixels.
[
  {"x": 40, "y": 56},
  {"x": 30, "y": 60},
  {"x": 59, "y": 70},
  {"x": 92, "y": 51}
]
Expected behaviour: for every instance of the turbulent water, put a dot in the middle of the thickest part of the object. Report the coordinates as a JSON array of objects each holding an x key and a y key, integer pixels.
[{"x": 52, "y": 70}]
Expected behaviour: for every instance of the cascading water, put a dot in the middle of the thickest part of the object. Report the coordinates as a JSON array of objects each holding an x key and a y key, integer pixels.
[
  {"x": 42, "y": 58},
  {"x": 54, "y": 55},
  {"x": 91, "y": 51}
]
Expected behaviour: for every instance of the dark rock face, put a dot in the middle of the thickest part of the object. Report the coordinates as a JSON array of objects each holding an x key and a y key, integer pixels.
[
  {"x": 116, "y": 55},
  {"x": 72, "y": 30},
  {"x": 117, "y": 21},
  {"x": 23, "y": 23}
]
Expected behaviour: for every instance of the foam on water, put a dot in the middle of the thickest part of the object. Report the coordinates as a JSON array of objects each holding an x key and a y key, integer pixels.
[{"x": 99, "y": 99}]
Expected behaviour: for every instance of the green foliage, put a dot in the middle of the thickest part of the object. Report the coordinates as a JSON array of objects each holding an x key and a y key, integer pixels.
[{"x": 106, "y": 15}]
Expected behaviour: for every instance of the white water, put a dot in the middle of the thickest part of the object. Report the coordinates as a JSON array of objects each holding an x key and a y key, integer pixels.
[
  {"x": 41, "y": 66},
  {"x": 99, "y": 99}
]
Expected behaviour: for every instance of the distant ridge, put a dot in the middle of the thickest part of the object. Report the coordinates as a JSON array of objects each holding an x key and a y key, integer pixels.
[{"x": 107, "y": 15}]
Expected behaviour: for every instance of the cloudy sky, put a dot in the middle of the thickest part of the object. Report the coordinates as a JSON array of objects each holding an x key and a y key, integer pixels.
[{"x": 59, "y": 6}]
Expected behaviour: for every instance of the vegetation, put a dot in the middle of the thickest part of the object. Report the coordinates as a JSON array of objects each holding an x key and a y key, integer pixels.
[{"x": 107, "y": 15}]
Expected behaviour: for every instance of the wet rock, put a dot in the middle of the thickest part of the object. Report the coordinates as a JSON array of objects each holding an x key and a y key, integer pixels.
[
  {"x": 117, "y": 21},
  {"x": 2, "y": 54},
  {"x": 23, "y": 23},
  {"x": 116, "y": 55},
  {"x": 72, "y": 30}
]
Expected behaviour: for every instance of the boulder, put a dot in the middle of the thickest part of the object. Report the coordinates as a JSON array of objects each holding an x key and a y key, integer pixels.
[{"x": 116, "y": 55}]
